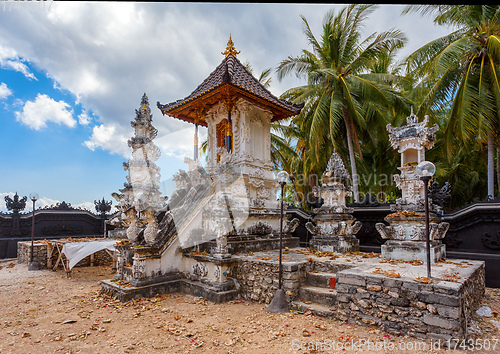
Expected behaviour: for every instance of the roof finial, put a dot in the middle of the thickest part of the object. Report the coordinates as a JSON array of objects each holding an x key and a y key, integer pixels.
[{"x": 230, "y": 48}]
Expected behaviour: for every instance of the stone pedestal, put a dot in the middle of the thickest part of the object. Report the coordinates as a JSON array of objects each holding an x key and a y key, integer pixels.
[
  {"x": 412, "y": 250},
  {"x": 340, "y": 244},
  {"x": 334, "y": 226},
  {"x": 406, "y": 237}
]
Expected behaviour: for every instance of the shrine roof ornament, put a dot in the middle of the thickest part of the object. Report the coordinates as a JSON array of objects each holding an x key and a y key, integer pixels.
[
  {"x": 228, "y": 82},
  {"x": 335, "y": 169},
  {"x": 413, "y": 130},
  {"x": 230, "y": 49}
]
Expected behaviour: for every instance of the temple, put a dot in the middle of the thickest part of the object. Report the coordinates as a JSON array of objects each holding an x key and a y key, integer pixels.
[{"x": 230, "y": 206}]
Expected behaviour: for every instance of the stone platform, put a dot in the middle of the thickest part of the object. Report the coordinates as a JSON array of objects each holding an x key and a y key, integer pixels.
[
  {"x": 364, "y": 289},
  {"x": 358, "y": 288}
]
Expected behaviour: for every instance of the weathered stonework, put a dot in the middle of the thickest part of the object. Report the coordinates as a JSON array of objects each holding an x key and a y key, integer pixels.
[
  {"x": 258, "y": 280},
  {"x": 433, "y": 311}
]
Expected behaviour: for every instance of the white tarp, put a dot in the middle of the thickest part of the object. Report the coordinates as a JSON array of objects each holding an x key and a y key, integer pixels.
[{"x": 76, "y": 251}]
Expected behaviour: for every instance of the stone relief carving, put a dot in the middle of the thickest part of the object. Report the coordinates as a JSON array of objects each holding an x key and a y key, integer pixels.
[
  {"x": 151, "y": 230},
  {"x": 263, "y": 193},
  {"x": 139, "y": 269},
  {"x": 260, "y": 228},
  {"x": 340, "y": 228},
  {"x": 200, "y": 269}
]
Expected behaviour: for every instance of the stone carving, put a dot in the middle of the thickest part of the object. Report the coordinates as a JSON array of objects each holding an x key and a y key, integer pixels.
[
  {"x": 200, "y": 269},
  {"x": 263, "y": 193},
  {"x": 333, "y": 225},
  {"x": 240, "y": 190},
  {"x": 341, "y": 228},
  {"x": 258, "y": 203},
  {"x": 217, "y": 273},
  {"x": 290, "y": 226},
  {"x": 411, "y": 141},
  {"x": 133, "y": 228},
  {"x": 139, "y": 269},
  {"x": 151, "y": 230},
  {"x": 260, "y": 228},
  {"x": 491, "y": 241},
  {"x": 15, "y": 204}
]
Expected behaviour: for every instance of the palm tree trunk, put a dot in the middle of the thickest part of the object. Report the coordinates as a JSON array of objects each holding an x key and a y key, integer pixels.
[
  {"x": 354, "y": 170},
  {"x": 491, "y": 164}
]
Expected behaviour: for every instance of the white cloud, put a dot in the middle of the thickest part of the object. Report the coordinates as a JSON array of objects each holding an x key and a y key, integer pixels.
[
  {"x": 178, "y": 144},
  {"x": 109, "y": 137},
  {"x": 10, "y": 60},
  {"x": 4, "y": 91},
  {"x": 36, "y": 114},
  {"x": 84, "y": 118}
]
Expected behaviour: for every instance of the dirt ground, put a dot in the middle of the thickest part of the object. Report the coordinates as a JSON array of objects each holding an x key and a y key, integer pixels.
[{"x": 46, "y": 311}]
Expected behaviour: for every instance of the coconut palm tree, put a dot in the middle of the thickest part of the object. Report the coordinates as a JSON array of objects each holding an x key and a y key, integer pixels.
[
  {"x": 339, "y": 83},
  {"x": 461, "y": 72}
]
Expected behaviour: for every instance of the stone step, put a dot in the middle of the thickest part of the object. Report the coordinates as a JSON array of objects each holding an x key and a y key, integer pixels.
[
  {"x": 318, "y": 295},
  {"x": 331, "y": 267},
  {"x": 316, "y": 309},
  {"x": 320, "y": 279}
]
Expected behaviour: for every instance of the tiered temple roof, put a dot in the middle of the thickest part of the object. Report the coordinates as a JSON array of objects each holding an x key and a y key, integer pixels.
[{"x": 229, "y": 81}]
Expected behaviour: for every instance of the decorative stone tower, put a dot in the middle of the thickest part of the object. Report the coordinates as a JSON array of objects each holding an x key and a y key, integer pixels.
[
  {"x": 406, "y": 231},
  {"x": 141, "y": 197},
  {"x": 335, "y": 226}
]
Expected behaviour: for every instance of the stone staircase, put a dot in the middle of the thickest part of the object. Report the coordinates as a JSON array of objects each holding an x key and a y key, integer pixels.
[{"x": 318, "y": 294}]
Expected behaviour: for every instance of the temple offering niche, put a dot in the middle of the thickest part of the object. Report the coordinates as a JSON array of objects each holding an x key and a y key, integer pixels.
[
  {"x": 411, "y": 140},
  {"x": 334, "y": 228},
  {"x": 405, "y": 235}
]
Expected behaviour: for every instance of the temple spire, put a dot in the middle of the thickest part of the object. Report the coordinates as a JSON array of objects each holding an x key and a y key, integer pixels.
[{"x": 230, "y": 49}]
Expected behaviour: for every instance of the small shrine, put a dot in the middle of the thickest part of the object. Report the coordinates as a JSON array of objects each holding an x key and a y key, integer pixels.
[
  {"x": 227, "y": 207},
  {"x": 406, "y": 233},
  {"x": 333, "y": 225}
]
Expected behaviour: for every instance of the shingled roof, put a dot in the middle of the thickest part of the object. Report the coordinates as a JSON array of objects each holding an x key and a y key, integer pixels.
[{"x": 230, "y": 75}]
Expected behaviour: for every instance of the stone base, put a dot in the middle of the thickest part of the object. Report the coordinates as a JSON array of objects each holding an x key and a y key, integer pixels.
[
  {"x": 217, "y": 292},
  {"x": 439, "y": 311},
  {"x": 412, "y": 250},
  {"x": 251, "y": 243},
  {"x": 340, "y": 244}
]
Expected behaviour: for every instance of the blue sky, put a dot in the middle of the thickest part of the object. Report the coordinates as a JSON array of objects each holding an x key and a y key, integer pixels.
[{"x": 71, "y": 77}]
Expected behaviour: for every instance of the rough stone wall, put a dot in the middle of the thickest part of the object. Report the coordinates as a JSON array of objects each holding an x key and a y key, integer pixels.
[
  {"x": 433, "y": 311},
  {"x": 259, "y": 280},
  {"x": 39, "y": 253},
  {"x": 40, "y": 256}
]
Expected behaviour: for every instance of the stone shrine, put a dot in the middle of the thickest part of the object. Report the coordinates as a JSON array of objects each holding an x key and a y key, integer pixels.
[
  {"x": 228, "y": 207},
  {"x": 334, "y": 226},
  {"x": 406, "y": 234}
]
